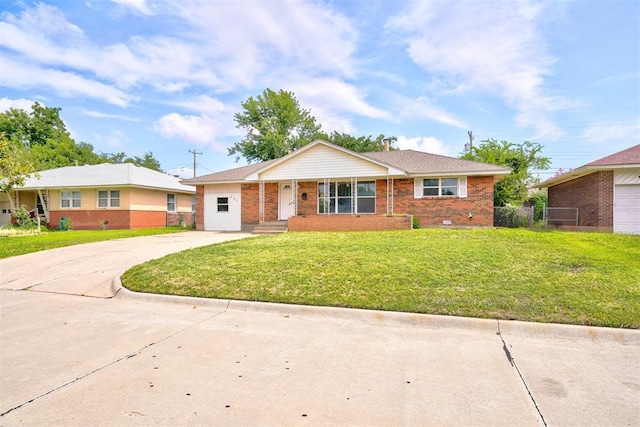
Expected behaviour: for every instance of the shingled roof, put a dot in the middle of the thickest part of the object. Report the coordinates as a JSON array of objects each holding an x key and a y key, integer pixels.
[
  {"x": 105, "y": 175},
  {"x": 628, "y": 158},
  {"x": 418, "y": 162},
  {"x": 411, "y": 162}
]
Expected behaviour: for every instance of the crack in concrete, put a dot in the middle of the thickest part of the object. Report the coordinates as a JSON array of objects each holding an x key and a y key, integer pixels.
[
  {"x": 513, "y": 363},
  {"x": 113, "y": 362}
]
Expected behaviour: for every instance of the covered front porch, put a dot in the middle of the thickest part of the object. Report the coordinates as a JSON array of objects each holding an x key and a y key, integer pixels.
[{"x": 326, "y": 204}]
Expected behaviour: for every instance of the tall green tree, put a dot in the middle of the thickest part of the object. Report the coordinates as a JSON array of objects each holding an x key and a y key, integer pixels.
[
  {"x": 275, "y": 125},
  {"x": 38, "y": 127},
  {"x": 43, "y": 136},
  {"x": 523, "y": 159},
  {"x": 361, "y": 144},
  {"x": 15, "y": 165}
]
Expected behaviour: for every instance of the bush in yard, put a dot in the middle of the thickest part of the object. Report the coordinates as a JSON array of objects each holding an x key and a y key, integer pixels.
[
  {"x": 538, "y": 201},
  {"x": 23, "y": 217}
]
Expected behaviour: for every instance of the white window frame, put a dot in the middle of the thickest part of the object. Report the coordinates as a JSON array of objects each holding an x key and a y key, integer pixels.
[
  {"x": 220, "y": 203},
  {"x": 109, "y": 199},
  {"x": 71, "y": 199},
  {"x": 352, "y": 198},
  {"x": 174, "y": 202},
  {"x": 419, "y": 187}
]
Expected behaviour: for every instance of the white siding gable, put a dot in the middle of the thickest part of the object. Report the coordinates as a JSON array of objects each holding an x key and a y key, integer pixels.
[{"x": 323, "y": 162}]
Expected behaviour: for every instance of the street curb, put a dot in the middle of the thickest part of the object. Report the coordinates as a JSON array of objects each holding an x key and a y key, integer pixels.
[{"x": 397, "y": 319}]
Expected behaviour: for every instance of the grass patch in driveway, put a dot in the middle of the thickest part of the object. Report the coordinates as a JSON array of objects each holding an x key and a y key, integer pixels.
[
  {"x": 24, "y": 244},
  {"x": 557, "y": 277}
]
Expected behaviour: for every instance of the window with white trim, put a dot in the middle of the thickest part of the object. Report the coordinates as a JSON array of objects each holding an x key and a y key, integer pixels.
[
  {"x": 171, "y": 202},
  {"x": 440, "y": 187},
  {"x": 340, "y": 197},
  {"x": 108, "y": 198},
  {"x": 434, "y": 187},
  {"x": 223, "y": 204},
  {"x": 70, "y": 199}
]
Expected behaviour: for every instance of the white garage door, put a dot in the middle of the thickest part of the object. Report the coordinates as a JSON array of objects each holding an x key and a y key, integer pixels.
[
  {"x": 222, "y": 207},
  {"x": 5, "y": 213},
  {"x": 626, "y": 209}
]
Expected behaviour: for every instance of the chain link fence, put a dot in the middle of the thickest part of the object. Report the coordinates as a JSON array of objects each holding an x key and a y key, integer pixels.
[{"x": 513, "y": 217}]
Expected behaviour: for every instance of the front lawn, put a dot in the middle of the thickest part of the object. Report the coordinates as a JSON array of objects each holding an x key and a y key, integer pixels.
[
  {"x": 558, "y": 277},
  {"x": 13, "y": 245}
]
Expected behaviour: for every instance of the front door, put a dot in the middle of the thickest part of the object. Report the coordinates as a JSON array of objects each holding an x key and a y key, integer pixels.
[{"x": 287, "y": 206}]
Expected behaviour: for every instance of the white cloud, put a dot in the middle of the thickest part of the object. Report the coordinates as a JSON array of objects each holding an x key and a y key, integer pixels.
[
  {"x": 202, "y": 129},
  {"x": 333, "y": 102},
  {"x": 23, "y": 75},
  {"x": 20, "y": 104},
  {"x": 470, "y": 46},
  {"x": 138, "y": 5},
  {"x": 606, "y": 131},
  {"x": 202, "y": 104},
  {"x": 246, "y": 41},
  {"x": 427, "y": 144},
  {"x": 115, "y": 139},
  {"x": 99, "y": 115},
  {"x": 423, "y": 108}
]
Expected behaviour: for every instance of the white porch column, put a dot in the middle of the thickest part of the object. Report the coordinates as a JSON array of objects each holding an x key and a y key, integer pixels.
[{"x": 390, "y": 202}]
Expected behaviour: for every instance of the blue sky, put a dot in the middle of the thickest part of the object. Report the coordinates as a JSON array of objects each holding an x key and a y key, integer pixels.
[{"x": 167, "y": 76}]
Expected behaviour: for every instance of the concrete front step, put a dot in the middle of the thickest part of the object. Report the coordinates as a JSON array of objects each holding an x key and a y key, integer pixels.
[{"x": 270, "y": 227}]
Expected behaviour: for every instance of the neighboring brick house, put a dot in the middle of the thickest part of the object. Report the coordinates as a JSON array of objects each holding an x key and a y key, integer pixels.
[
  {"x": 606, "y": 193},
  {"x": 115, "y": 196},
  {"x": 325, "y": 187}
]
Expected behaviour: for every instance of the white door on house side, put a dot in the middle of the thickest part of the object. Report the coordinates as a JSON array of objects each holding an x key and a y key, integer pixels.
[
  {"x": 626, "y": 209},
  {"x": 286, "y": 206}
]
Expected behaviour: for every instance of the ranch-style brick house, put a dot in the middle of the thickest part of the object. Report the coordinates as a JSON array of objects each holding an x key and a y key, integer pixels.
[
  {"x": 606, "y": 193},
  {"x": 114, "y": 196},
  {"x": 322, "y": 187}
]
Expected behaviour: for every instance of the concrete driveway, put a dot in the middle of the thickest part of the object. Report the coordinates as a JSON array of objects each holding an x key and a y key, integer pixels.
[{"x": 135, "y": 359}]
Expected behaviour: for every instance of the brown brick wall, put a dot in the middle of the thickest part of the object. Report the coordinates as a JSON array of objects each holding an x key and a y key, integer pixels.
[
  {"x": 348, "y": 223},
  {"x": 174, "y": 218},
  {"x": 200, "y": 207},
  {"x": 433, "y": 210},
  {"x": 251, "y": 203},
  {"x": 591, "y": 194},
  {"x": 146, "y": 219},
  {"x": 117, "y": 219},
  {"x": 90, "y": 220}
]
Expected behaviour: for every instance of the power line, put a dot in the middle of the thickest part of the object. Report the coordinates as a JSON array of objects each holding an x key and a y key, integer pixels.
[{"x": 195, "y": 153}]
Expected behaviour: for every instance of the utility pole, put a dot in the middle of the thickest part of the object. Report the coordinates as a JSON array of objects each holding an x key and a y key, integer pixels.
[
  {"x": 195, "y": 153},
  {"x": 469, "y": 146}
]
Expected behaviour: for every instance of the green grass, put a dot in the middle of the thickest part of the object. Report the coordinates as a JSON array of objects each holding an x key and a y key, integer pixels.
[
  {"x": 22, "y": 244},
  {"x": 557, "y": 277}
]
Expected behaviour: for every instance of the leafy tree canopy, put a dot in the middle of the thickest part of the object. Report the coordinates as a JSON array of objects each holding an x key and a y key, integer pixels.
[
  {"x": 275, "y": 125},
  {"x": 39, "y": 127},
  {"x": 362, "y": 144},
  {"x": 523, "y": 159},
  {"x": 15, "y": 163},
  {"x": 148, "y": 160},
  {"x": 45, "y": 143}
]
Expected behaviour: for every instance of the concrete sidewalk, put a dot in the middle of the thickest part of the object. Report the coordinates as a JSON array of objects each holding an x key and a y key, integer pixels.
[{"x": 139, "y": 359}]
